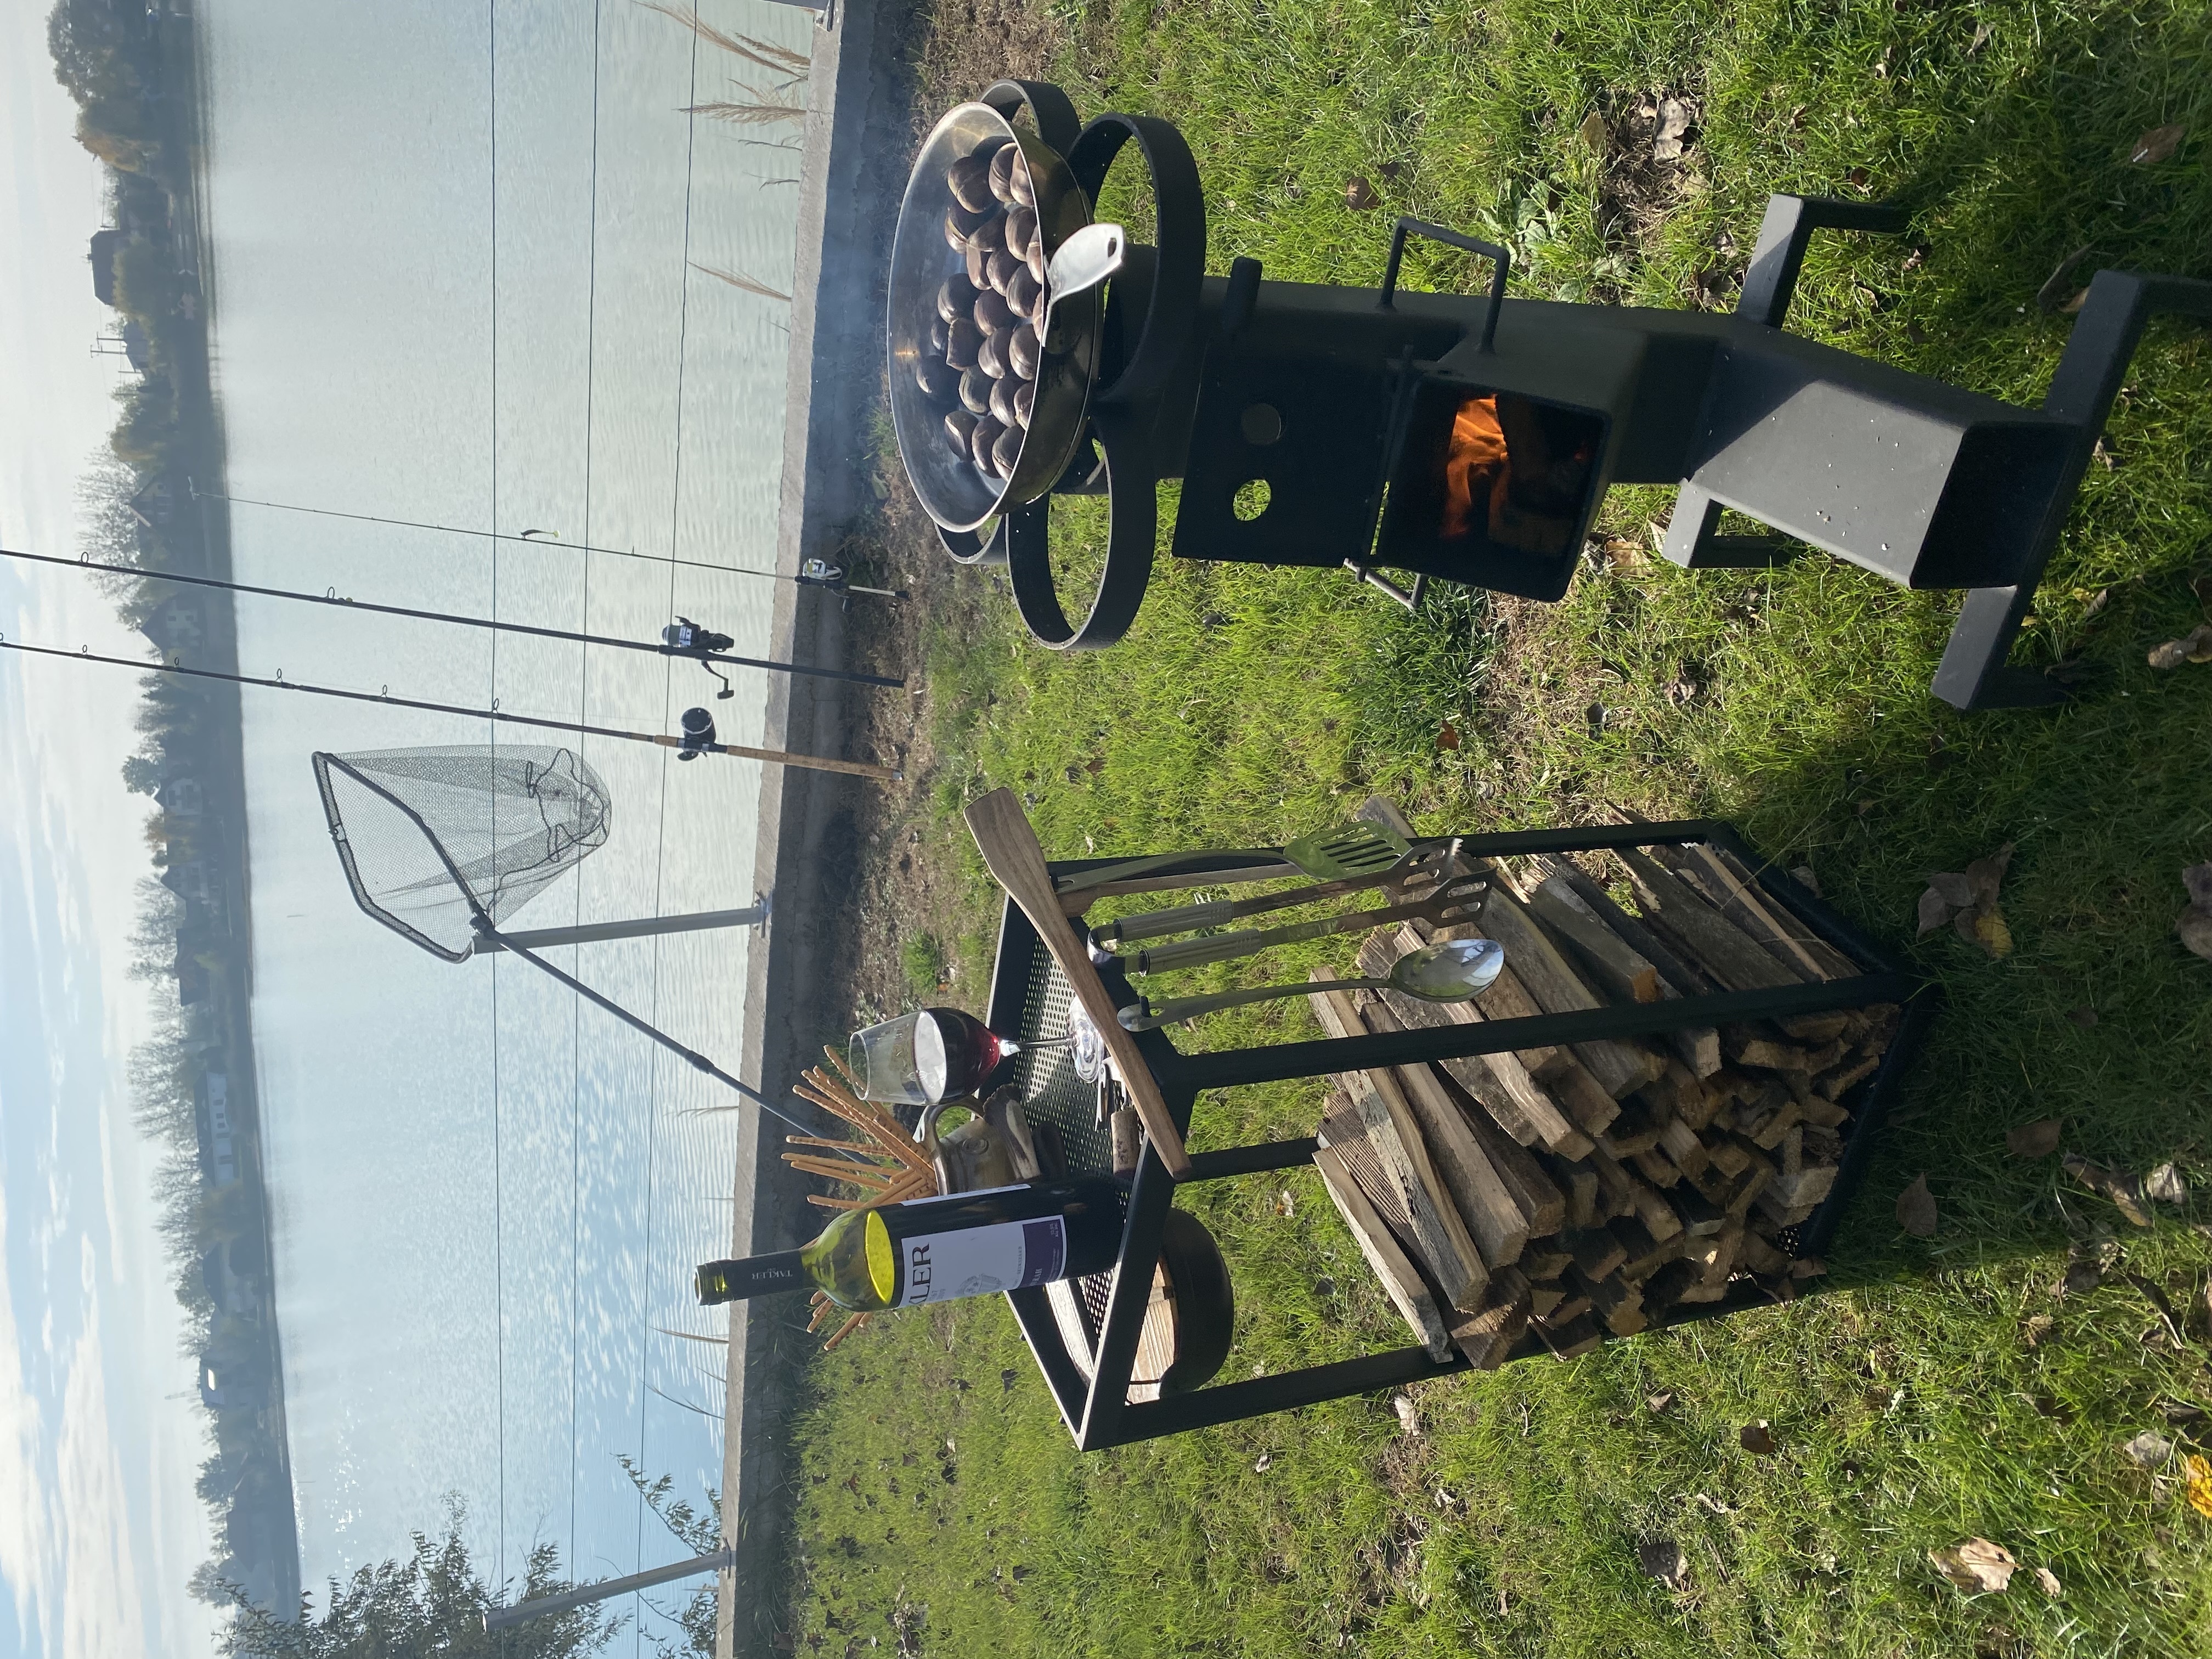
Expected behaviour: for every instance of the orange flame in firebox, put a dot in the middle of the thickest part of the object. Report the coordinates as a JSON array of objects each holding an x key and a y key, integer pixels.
[{"x": 1477, "y": 450}]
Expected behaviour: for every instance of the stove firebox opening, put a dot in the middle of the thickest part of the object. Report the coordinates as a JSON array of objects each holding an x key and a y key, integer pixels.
[{"x": 1492, "y": 486}]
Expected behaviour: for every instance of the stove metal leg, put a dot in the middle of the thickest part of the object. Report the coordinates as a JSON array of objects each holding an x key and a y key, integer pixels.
[
  {"x": 1771, "y": 282},
  {"x": 1692, "y": 544},
  {"x": 1973, "y": 674}
]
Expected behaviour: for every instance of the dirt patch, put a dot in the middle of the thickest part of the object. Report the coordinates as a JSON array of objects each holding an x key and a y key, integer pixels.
[
  {"x": 906, "y": 899},
  {"x": 971, "y": 43},
  {"x": 1652, "y": 164}
]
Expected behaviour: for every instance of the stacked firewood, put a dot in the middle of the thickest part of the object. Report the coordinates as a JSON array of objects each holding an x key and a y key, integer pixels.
[{"x": 1588, "y": 1189}]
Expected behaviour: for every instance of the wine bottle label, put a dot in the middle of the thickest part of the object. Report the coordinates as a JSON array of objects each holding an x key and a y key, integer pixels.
[{"x": 1008, "y": 1255}]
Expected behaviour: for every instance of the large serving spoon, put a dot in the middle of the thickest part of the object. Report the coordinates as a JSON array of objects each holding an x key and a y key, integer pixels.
[{"x": 1451, "y": 971}]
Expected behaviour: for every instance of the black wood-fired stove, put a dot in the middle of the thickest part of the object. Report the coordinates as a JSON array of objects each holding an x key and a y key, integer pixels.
[{"x": 1472, "y": 438}]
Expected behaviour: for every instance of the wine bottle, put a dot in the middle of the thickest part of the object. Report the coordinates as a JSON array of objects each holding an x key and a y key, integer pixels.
[{"x": 932, "y": 1249}]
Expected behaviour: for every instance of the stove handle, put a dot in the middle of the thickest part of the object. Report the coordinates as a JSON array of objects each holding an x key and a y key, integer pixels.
[{"x": 1455, "y": 239}]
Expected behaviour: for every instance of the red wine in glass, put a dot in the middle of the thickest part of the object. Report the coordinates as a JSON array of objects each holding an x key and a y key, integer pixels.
[{"x": 954, "y": 1052}]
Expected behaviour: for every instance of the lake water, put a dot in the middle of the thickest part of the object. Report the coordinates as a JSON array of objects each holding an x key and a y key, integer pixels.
[{"x": 451, "y": 253}]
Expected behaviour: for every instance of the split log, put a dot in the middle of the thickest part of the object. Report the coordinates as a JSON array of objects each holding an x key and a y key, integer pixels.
[
  {"x": 1571, "y": 1306},
  {"x": 1728, "y": 955},
  {"x": 1596, "y": 1252},
  {"x": 1537, "y": 1196},
  {"x": 1544, "y": 1259},
  {"x": 1611, "y": 960},
  {"x": 1395, "y": 1134},
  {"x": 1640, "y": 1252},
  {"x": 1486, "y": 1336},
  {"x": 1399, "y": 1281},
  {"x": 1647, "y": 1206},
  {"x": 1501, "y": 1082},
  {"x": 1635, "y": 1130},
  {"x": 1699, "y": 1047},
  {"x": 1545, "y": 1296},
  {"x": 1572, "y": 1339},
  {"x": 1804, "y": 944},
  {"x": 1617, "y": 1304},
  {"x": 1583, "y": 1193},
  {"x": 1621, "y": 1066},
  {"x": 1499, "y": 1227}
]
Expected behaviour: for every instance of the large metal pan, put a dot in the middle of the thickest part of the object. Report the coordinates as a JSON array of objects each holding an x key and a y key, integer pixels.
[{"x": 956, "y": 494}]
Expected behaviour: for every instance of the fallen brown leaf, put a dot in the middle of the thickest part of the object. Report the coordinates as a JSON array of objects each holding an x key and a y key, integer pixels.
[
  {"x": 2124, "y": 1190},
  {"x": 1916, "y": 1209},
  {"x": 2084, "y": 1016},
  {"x": 2194, "y": 645},
  {"x": 1593, "y": 132},
  {"x": 1448, "y": 736},
  {"x": 2038, "y": 1326},
  {"x": 1662, "y": 1558},
  {"x": 1803, "y": 876},
  {"x": 2157, "y": 145},
  {"x": 2194, "y": 930},
  {"x": 1967, "y": 899},
  {"x": 1409, "y": 1415},
  {"x": 1935, "y": 911},
  {"x": 2036, "y": 1140},
  {"x": 2165, "y": 1185},
  {"x": 2047, "y": 1581},
  {"x": 1984, "y": 875},
  {"x": 1673, "y": 126},
  {"x": 2083, "y": 1275},
  {"x": 1982, "y": 33},
  {"x": 1659, "y": 1402},
  {"x": 1976, "y": 1565},
  {"x": 1755, "y": 1438},
  {"x": 2149, "y": 1449},
  {"x": 1360, "y": 196},
  {"x": 2197, "y": 878},
  {"x": 2046, "y": 297}
]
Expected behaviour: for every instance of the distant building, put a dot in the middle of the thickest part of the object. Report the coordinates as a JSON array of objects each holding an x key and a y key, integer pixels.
[
  {"x": 218, "y": 1143},
  {"x": 188, "y": 880},
  {"x": 193, "y": 985},
  {"x": 221, "y": 1390},
  {"x": 137, "y": 349},
  {"x": 176, "y": 626},
  {"x": 155, "y": 505},
  {"x": 105, "y": 244},
  {"x": 180, "y": 799}
]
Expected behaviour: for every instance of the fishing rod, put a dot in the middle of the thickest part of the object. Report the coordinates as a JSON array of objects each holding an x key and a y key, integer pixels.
[
  {"x": 813, "y": 573},
  {"x": 684, "y": 638},
  {"x": 698, "y": 738}
]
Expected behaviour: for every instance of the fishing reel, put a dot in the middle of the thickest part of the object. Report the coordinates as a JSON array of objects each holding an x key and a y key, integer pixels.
[
  {"x": 698, "y": 734},
  {"x": 686, "y": 638}
]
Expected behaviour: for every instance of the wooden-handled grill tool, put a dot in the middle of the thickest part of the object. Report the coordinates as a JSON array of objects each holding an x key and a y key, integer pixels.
[{"x": 1012, "y": 853}]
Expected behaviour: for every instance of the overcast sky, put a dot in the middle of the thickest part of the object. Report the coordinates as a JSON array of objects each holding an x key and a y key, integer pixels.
[{"x": 98, "y": 1528}]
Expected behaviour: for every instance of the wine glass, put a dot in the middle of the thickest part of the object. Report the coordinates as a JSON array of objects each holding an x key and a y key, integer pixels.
[{"x": 940, "y": 1054}]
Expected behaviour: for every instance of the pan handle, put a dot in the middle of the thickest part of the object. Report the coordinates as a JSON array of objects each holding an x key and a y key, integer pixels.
[
  {"x": 1053, "y": 110},
  {"x": 1133, "y": 511},
  {"x": 1179, "y": 265}
]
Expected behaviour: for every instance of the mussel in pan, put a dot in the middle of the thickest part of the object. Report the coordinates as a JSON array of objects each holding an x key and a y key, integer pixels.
[
  {"x": 934, "y": 376},
  {"x": 963, "y": 341},
  {"x": 976, "y": 391},
  {"x": 956, "y": 298},
  {"x": 991, "y": 356},
  {"x": 970, "y": 180},
  {"x": 993, "y": 315},
  {"x": 1023, "y": 353},
  {"x": 959, "y": 427}
]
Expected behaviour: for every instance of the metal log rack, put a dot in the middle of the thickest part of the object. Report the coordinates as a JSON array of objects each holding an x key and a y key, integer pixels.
[{"x": 1096, "y": 1408}]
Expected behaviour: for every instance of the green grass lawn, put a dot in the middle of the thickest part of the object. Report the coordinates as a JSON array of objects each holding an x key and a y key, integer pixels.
[{"x": 1938, "y": 1390}]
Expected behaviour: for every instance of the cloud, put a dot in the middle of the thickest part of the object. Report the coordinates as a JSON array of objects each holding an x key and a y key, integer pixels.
[
  {"x": 28, "y": 1524},
  {"x": 101, "y": 1615}
]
